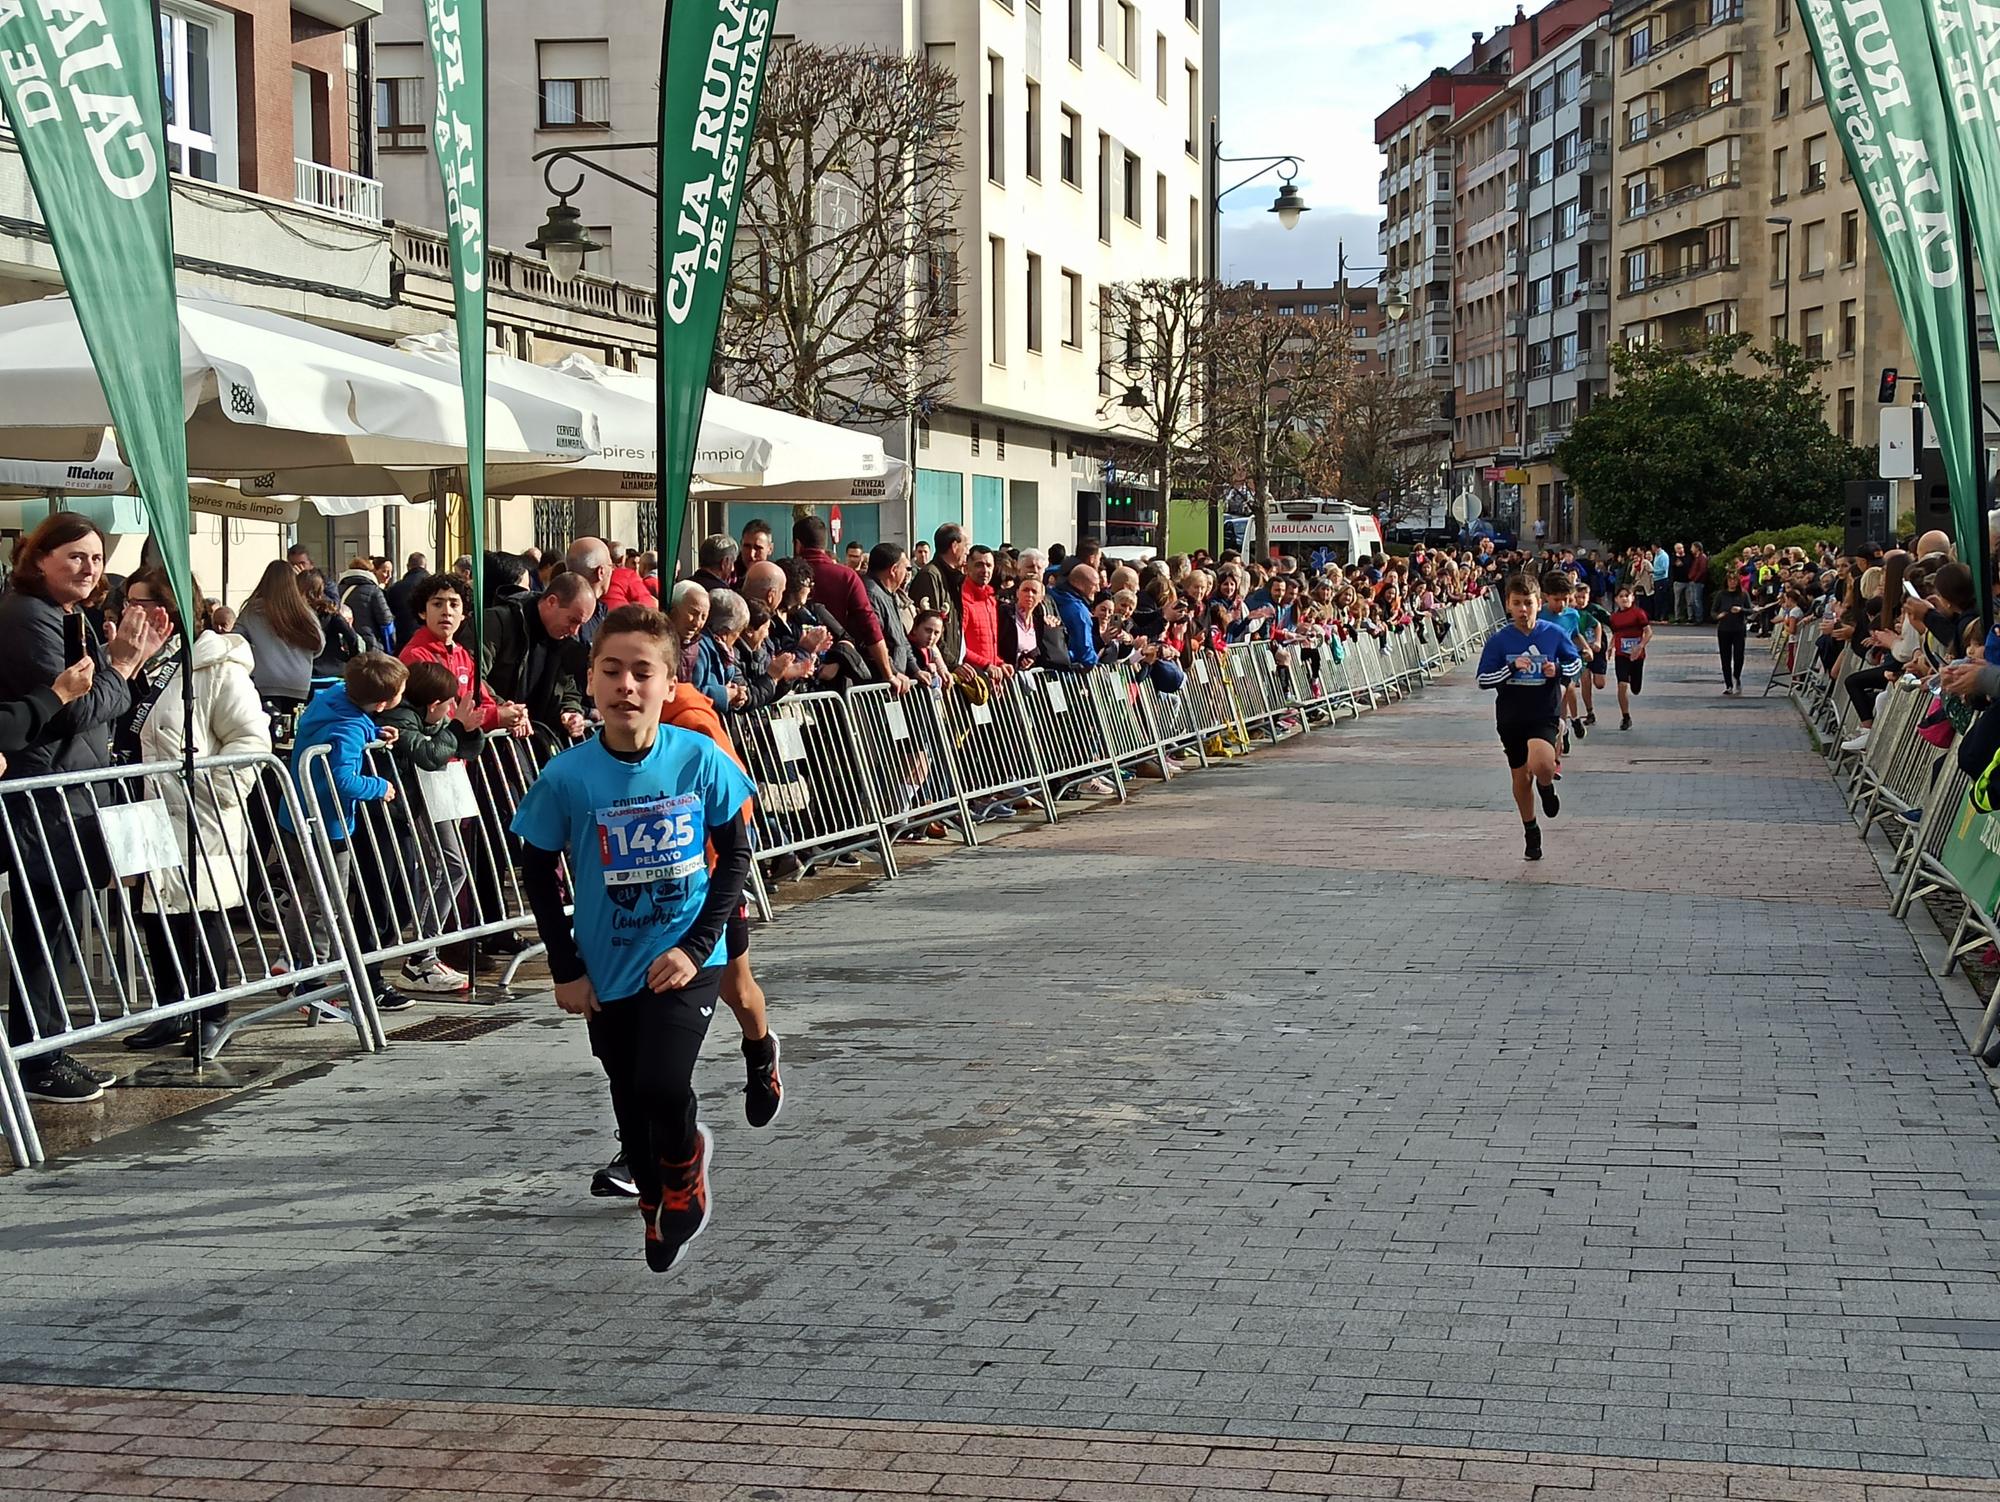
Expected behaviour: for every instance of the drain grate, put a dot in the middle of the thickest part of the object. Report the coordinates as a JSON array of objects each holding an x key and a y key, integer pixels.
[{"x": 451, "y": 1029}]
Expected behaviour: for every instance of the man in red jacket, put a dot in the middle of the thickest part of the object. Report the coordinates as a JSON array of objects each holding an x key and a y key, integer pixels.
[
  {"x": 840, "y": 590},
  {"x": 980, "y": 613}
]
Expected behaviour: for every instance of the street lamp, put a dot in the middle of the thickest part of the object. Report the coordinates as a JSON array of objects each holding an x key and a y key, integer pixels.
[
  {"x": 563, "y": 241},
  {"x": 1784, "y": 222},
  {"x": 1289, "y": 205}
]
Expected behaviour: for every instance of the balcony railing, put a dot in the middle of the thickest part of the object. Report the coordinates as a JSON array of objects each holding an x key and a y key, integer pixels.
[{"x": 347, "y": 195}]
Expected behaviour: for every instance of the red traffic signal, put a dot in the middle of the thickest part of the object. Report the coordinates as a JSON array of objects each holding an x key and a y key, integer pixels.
[{"x": 1886, "y": 393}]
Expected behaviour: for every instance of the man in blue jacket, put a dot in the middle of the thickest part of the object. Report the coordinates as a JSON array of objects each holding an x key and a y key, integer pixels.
[{"x": 1073, "y": 599}]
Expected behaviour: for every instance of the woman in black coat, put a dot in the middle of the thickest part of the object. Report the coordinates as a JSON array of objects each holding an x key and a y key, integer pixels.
[{"x": 1031, "y": 632}]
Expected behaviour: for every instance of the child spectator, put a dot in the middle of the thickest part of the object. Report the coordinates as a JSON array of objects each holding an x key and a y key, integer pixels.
[
  {"x": 434, "y": 727},
  {"x": 343, "y": 719}
]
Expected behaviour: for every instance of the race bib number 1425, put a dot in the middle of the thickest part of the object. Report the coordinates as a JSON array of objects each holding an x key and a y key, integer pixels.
[{"x": 645, "y": 842}]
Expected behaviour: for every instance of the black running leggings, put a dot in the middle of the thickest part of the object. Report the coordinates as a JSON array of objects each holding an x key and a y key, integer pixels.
[
  {"x": 648, "y": 1045},
  {"x": 1730, "y": 644},
  {"x": 1864, "y": 687}
]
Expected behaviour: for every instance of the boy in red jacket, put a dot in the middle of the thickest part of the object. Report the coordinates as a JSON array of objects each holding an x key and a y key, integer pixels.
[{"x": 439, "y": 602}]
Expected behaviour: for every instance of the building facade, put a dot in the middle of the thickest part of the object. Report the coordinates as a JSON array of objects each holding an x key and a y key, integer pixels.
[
  {"x": 1736, "y": 211},
  {"x": 1565, "y": 99},
  {"x": 1083, "y": 164}
]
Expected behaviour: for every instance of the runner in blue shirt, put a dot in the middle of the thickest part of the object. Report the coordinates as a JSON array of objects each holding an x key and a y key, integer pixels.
[
  {"x": 634, "y": 811},
  {"x": 1527, "y": 663}
]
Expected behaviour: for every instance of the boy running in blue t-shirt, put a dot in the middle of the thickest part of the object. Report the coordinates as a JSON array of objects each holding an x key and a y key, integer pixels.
[
  {"x": 634, "y": 812},
  {"x": 1557, "y": 588},
  {"x": 1527, "y": 662}
]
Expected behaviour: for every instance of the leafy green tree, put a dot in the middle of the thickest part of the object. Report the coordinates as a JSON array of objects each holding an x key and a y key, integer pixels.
[{"x": 1703, "y": 447}]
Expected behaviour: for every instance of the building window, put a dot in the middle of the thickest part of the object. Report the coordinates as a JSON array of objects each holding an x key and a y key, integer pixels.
[
  {"x": 401, "y": 121},
  {"x": 598, "y": 261},
  {"x": 1076, "y": 31},
  {"x": 1784, "y": 19},
  {"x": 198, "y": 78},
  {"x": 1815, "y": 164},
  {"x": 996, "y": 288},
  {"x": 999, "y": 441},
  {"x": 1193, "y": 111},
  {"x": 1034, "y": 303},
  {"x": 975, "y": 435},
  {"x": 1848, "y": 327},
  {"x": 575, "y": 85},
  {"x": 1072, "y": 131},
  {"x": 1128, "y": 37},
  {"x": 1781, "y": 100},
  {"x": 1032, "y": 157},
  {"x": 996, "y": 119},
  {"x": 1569, "y": 218},
  {"x": 1779, "y": 192},
  {"x": 1194, "y": 239},
  {"x": 1638, "y": 44},
  {"x": 1194, "y": 13},
  {"x": 1850, "y": 237},
  {"x": 923, "y": 432},
  {"x": 1846, "y": 410},
  {"x": 1104, "y": 187},
  {"x": 1781, "y": 256},
  {"x": 1072, "y": 310},
  {"x": 1638, "y": 193},
  {"x": 1812, "y": 260},
  {"x": 1132, "y": 187},
  {"x": 1812, "y": 332},
  {"x": 1160, "y": 65},
  {"x": 1160, "y": 206}
]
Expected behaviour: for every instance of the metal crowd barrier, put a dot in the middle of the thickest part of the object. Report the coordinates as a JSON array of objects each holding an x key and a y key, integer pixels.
[
  {"x": 904, "y": 746},
  {"x": 94, "y": 862},
  {"x": 815, "y": 799},
  {"x": 102, "y": 936},
  {"x": 436, "y": 868}
]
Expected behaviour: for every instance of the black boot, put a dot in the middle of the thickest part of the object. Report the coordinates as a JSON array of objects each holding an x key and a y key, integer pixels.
[{"x": 162, "y": 1034}]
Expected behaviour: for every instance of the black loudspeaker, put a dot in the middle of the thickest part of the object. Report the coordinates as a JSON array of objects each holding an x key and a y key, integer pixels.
[
  {"x": 1871, "y": 516},
  {"x": 1933, "y": 513}
]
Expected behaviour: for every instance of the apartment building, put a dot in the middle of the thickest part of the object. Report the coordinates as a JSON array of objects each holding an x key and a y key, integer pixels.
[
  {"x": 1736, "y": 212},
  {"x": 1083, "y": 163},
  {"x": 1564, "y": 324},
  {"x": 273, "y": 206},
  {"x": 1456, "y": 228},
  {"x": 1357, "y": 308}
]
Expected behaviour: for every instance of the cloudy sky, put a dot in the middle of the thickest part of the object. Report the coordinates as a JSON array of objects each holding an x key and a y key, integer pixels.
[{"x": 1309, "y": 77}]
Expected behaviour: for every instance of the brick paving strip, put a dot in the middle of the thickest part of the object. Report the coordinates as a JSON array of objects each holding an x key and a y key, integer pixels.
[{"x": 85, "y": 1443}]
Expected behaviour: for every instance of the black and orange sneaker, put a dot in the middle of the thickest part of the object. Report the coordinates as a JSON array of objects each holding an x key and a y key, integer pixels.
[
  {"x": 682, "y": 1213},
  {"x": 764, "y": 1092}
]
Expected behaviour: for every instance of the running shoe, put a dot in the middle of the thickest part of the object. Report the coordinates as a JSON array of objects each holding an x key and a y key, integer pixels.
[
  {"x": 432, "y": 977},
  {"x": 764, "y": 1091},
  {"x": 682, "y": 1213},
  {"x": 1533, "y": 834},
  {"x": 1856, "y": 742},
  {"x": 614, "y": 1180},
  {"x": 1551, "y": 803},
  {"x": 1581, "y": 728},
  {"x": 1624, "y": 722}
]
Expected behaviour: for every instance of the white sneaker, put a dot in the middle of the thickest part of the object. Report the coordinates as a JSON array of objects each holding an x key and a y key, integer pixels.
[
  {"x": 1856, "y": 742},
  {"x": 433, "y": 978}
]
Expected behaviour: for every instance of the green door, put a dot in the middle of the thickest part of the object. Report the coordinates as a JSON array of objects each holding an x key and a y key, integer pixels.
[
  {"x": 940, "y": 502},
  {"x": 989, "y": 510}
]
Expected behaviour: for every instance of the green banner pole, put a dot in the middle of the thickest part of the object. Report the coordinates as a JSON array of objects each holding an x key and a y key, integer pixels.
[
  {"x": 713, "y": 55},
  {"x": 457, "y": 31},
  {"x": 1965, "y": 45},
  {"x": 1889, "y": 110}
]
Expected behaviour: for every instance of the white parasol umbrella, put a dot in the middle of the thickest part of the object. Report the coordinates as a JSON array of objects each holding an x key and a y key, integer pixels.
[{"x": 261, "y": 390}]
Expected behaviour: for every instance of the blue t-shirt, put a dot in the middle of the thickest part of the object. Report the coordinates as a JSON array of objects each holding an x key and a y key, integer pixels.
[{"x": 637, "y": 837}]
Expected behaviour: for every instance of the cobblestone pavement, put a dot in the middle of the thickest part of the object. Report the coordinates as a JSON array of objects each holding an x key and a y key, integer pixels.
[{"x": 1280, "y": 1133}]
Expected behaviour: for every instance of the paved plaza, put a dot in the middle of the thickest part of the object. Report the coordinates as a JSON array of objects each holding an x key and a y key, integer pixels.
[{"x": 1279, "y": 1134}]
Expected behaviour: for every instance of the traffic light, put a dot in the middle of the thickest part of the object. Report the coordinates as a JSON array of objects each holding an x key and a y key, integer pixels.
[{"x": 1886, "y": 392}]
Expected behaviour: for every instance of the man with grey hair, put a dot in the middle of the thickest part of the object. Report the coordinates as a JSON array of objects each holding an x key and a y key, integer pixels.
[
  {"x": 591, "y": 557},
  {"x": 715, "y": 562},
  {"x": 888, "y": 572}
]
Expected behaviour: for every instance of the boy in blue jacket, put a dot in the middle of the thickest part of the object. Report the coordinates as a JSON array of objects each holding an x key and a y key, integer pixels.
[
  {"x": 1528, "y": 663},
  {"x": 342, "y": 719}
]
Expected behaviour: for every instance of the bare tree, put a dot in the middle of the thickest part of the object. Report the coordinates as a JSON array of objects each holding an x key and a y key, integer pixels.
[
  {"x": 1155, "y": 336},
  {"x": 1392, "y": 441},
  {"x": 843, "y": 299},
  {"x": 1281, "y": 387}
]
